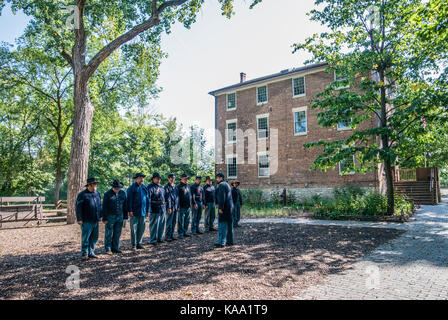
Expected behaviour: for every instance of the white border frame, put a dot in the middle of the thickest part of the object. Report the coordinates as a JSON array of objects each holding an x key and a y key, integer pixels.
[
  {"x": 299, "y": 109},
  {"x": 304, "y": 86},
  {"x": 227, "y": 101},
  {"x": 263, "y": 153},
  {"x": 227, "y": 129},
  {"x": 348, "y": 173},
  {"x": 267, "y": 95},
  {"x": 339, "y": 88},
  {"x": 227, "y": 165},
  {"x": 261, "y": 116}
]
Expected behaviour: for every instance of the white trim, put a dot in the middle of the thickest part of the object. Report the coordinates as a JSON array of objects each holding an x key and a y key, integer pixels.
[
  {"x": 262, "y": 116},
  {"x": 348, "y": 173},
  {"x": 227, "y": 101},
  {"x": 267, "y": 95},
  {"x": 343, "y": 87},
  {"x": 304, "y": 87},
  {"x": 227, "y": 128},
  {"x": 228, "y": 156},
  {"x": 274, "y": 80},
  {"x": 263, "y": 153},
  {"x": 344, "y": 128},
  {"x": 300, "y": 109}
]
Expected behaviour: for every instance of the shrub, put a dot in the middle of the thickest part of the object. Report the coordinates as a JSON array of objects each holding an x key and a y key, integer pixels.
[{"x": 253, "y": 197}]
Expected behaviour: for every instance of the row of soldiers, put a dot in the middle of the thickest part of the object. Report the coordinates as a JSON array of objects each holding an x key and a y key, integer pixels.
[{"x": 165, "y": 207}]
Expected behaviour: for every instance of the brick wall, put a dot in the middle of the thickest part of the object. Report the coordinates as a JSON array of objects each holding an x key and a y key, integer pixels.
[{"x": 294, "y": 161}]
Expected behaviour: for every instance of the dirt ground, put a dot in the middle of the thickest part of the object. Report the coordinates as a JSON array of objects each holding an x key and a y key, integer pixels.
[{"x": 269, "y": 261}]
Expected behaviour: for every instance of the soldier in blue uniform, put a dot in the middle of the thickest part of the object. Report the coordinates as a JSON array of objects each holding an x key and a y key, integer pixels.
[
  {"x": 209, "y": 207},
  {"x": 88, "y": 213},
  {"x": 172, "y": 207},
  {"x": 114, "y": 212},
  {"x": 224, "y": 202},
  {"x": 198, "y": 198},
  {"x": 185, "y": 204},
  {"x": 138, "y": 207},
  {"x": 157, "y": 212},
  {"x": 237, "y": 203}
]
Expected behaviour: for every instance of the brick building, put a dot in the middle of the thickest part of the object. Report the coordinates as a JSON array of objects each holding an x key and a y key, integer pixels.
[{"x": 262, "y": 125}]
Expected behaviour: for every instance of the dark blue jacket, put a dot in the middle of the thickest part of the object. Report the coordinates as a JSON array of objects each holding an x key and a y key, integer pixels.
[
  {"x": 88, "y": 206},
  {"x": 224, "y": 201},
  {"x": 209, "y": 192},
  {"x": 236, "y": 196},
  {"x": 138, "y": 200},
  {"x": 184, "y": 195},
  {"x": 171, "y": 197},
  {"x": 157, "y": 198},
  {"x": 114, "y": 204},
  {"x": 197, "y": 194}
]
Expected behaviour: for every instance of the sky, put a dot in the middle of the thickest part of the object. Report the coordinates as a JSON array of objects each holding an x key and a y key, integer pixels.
[{"x": 213, "y": 52}]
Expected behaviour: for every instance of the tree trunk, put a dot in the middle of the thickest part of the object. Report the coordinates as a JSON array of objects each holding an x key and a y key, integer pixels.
[
  {"x": 386, "y": 148},
  {"x": 389, "y": 187},
  {"x": 58, "y": 185},
  {"x": 79, "y": 153}
]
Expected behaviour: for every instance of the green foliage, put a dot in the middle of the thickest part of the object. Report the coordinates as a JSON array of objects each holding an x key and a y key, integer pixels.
[
  {"x": 393, "y": 79},
  {"x": 253, "y": 197},
  {"x": 444, "y": 178},
  {"x": 353, "y": 201}
]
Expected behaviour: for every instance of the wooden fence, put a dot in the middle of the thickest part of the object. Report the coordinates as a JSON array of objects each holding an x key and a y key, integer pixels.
[{"x": 26, "y": 211}]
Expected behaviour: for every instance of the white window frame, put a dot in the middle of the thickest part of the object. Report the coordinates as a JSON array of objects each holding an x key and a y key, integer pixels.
[
  {"x": 232, "y": 156},
  {"x": 264, "y": 153},
  {"x": 335, "y": 79},
  {"x": 227, "y": 130},
  {"x": 304, "y": 87},
  {"x": 262, "y": 116},
  {"x": 345, "y": 128},
  {"x": 348, "y": 173},
  {"x": 227, "y": 101},
  {"x": 300, "y": 109},
  {"x": 267, "y": 95}
]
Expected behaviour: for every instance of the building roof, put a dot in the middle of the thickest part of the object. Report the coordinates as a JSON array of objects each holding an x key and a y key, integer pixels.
[{"x": 272, "y": 76}]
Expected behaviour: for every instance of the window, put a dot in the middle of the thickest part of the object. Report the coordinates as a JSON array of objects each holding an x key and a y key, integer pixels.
[
  {"x": 341, "y": 77},
  {"x": 263, "y": 126},
  {"x": 231, "y": 101},
  {"x": 347, "y": 166},
  {"x": 300, "y": 121},
  {"x": 263, "y": 165},
  {"x": 232, "y": 171},
  {"x": 298, "y": 85},
  {"x": 345, "y": 124},
  {"x": 231, "y": 131},
  {"x": 262, "y": 94}
]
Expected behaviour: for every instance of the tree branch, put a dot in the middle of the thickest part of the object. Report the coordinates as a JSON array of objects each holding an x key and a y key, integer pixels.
[{"x": 107, "y": 50}]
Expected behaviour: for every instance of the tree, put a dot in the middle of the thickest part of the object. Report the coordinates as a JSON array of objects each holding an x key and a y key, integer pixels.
[
  {"x": 141, "y": 20},
  {"x": 387, "y": 74}
]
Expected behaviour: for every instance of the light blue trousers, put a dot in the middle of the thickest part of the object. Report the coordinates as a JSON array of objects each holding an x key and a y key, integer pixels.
[
  {"x": 156, "y": 227},
  {"x": 89, "y": 237}
]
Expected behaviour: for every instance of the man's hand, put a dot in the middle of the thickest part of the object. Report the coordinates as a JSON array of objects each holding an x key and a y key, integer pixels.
[
  {"x": 170, "y": 211},
  {"x": 80, "y": 223},
  {"x": 131, "y": 214}
]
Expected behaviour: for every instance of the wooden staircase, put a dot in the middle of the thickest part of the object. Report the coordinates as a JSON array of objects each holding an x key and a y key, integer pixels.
[{"x": 419, "y": 191}]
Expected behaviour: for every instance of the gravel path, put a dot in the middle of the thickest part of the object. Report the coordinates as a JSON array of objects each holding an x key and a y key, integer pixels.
[{"x": 270, "y": 261}]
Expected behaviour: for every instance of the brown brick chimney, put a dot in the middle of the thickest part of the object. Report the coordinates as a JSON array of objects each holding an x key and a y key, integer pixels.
[{"x": 242, "y": 77}]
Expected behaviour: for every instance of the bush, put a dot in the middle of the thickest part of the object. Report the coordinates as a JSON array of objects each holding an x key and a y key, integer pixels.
[{"x": 253, "y": 197}]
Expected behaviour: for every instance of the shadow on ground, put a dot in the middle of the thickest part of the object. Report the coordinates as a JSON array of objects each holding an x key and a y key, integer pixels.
[{"x": 271, "y": 261}]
